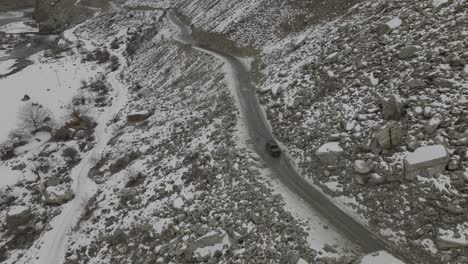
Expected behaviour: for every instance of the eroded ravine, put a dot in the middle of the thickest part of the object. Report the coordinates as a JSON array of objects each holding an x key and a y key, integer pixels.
[{"x": 260, "y": 132}]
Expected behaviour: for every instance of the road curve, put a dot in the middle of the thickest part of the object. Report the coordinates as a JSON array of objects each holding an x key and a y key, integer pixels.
[{"x": 282, "y": 167}]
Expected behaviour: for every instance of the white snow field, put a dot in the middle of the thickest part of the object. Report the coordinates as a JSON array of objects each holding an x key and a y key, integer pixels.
[{"x": 51, "y": 83}]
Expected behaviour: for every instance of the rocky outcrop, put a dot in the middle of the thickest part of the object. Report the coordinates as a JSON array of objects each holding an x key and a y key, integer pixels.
[{"x": 426, "y": 161}]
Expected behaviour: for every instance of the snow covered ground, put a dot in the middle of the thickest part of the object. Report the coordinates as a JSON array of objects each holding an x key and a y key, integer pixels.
[
  {"x": 5, "y": 66},
  {"x": 49, "y": 82}
]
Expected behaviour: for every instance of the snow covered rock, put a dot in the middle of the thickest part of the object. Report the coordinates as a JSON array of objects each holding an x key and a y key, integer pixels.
[
  {"x": 391, "y": 107},
  {"x": 361, "y": 167},
  {"x": 429, "y": 160},
  {"x": 17, "y": 216},
  {"x": 57, "y": 195},
  {"x": 329, "y": 153},
  {"x": 389, "y": 26},
  {"x": 138, "y": 116}
]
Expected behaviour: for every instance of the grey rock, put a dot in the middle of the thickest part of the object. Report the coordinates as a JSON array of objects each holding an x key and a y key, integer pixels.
[
  {"x": 138, "y": 116},
  {"x": 20, "y": 166},
  {"x": 433, "y": 124},
  {"x": 361, "y": 167},
  {"x": 389, "y": 136},
  {"x": 329, "y": 153},
  {"x": 464, "y": 72},
  {"x": 416, "y": 83},
  {"x": 18, "y": 216},
  {"x": 52, "y": 181},
  {"x": 57, "y": 195},
  {"x": 391, "y": 107},
  {"x": 426, "y": 161},
  {"x": 408, "y": 52}
]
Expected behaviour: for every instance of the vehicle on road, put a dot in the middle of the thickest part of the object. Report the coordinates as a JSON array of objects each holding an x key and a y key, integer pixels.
[{"x": 273, "y": 149}]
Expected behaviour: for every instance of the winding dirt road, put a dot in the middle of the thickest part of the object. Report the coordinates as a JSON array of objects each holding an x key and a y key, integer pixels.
[{"x": 260, "y": 132}]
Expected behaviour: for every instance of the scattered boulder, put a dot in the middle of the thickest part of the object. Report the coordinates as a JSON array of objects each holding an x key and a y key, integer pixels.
[
  {"x": 433, "y": 124},
  {"x": 361, "y": 167},
  {"x": 57, "y": 195},
  {"x": 416, "y": 83},
  {"x": 329, "y": 153},
  {"x": 426, "y": 161},
  {"x": 52, "y": 181},
  {"x": 376, "y": 178},
  {"x": 391, "y": 107},
  {"x": 211, "y": 239},
  {"x": 18, "y": 216},
  {"x": 389, "y": 26},
  {"x": 408, "y": 52},
  {"x": 464, "y": 72},
  {"x": 19, "y": 167},
  {"x": 123, "y": 162},
  {"x": 136, "y": 117},
  {"x": 389, "y": 136}
]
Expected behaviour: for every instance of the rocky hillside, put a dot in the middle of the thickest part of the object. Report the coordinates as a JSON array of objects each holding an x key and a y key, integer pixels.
[
  {"x": 377, "y": 100},
  {"x": 153, "y": 163}
]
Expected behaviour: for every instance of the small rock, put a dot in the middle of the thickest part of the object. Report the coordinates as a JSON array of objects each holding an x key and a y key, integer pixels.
[
  {"x": 408, "y": 52},
  {"x": 138, "y": 116},
  {"x": 389, "y": 26},
  {"x": 416, "y": 83},
  {"x": 427, "y": 111},
  {"x": 26, "y": 98},
  {"x": 361, "y": 167},
  {"x": 17, "y": 216},
  {"x": 391, "y": 107},
  {"x": 433, "y": 124},
  {"x": 464, "y": 72}
]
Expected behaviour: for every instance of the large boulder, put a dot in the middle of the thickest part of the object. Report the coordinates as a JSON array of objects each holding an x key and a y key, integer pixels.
[
  {"x": 18, "y": 216},
  {"x": 329, "y": 153},
  {"x": 391, "y": 107},
  {"x": 57, "y": 195},
  {"x": 389, "y": 136},
  {"x": 426, "y": 161}
]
